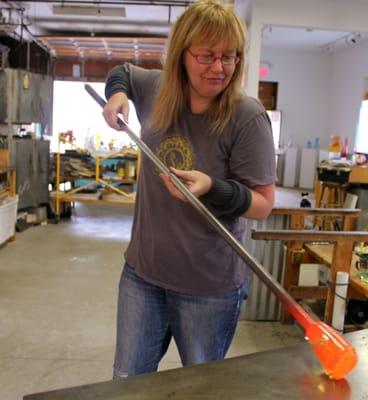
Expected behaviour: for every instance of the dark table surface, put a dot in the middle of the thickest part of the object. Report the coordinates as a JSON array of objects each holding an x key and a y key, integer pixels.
[{"x": 287, "y": 373}]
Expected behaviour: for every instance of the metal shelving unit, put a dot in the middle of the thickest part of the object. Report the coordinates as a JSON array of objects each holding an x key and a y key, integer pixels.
[{"x": 110, "y": 191}]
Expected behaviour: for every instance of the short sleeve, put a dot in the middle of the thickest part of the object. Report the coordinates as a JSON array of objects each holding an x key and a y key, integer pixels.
[
  {"x": 138, "y": 83},
  {"x": 252, "y": 160}
]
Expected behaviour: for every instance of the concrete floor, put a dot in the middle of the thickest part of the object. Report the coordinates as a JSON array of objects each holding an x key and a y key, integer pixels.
[{"x": 58, "y": 289}]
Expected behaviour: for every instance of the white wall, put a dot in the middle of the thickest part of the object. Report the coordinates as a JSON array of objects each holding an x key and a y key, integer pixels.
[
  {"x": 331, "y": 86},
  {"x": 319, "y": 94},
  {"x": 347, "y": 15},
  {"x": 349, "y": 71},
  {"x": 303, "y": 95}
]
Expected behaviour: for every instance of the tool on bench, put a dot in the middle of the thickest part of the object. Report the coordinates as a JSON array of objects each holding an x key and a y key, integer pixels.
[{"x": 337, "y": 356}]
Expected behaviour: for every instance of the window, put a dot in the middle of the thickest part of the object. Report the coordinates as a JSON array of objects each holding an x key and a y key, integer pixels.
[
  {"x": 275, "y": 117},
  {"x": 361, "y": 139},
  {"x": 75, "y": 110}
]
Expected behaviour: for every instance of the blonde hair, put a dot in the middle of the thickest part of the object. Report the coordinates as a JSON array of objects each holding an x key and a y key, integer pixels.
[{"x": 203, "y": 22}]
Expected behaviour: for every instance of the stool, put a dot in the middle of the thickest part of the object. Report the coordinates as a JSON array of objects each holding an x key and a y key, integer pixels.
[
  {"x": 334, "y": 183},
  {"x": 332, "y": 195}
]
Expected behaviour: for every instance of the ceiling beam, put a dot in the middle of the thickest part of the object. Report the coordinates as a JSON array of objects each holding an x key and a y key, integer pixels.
[
  {"x": 97, "y": 21},
  {"x": 121, "y": 2}
]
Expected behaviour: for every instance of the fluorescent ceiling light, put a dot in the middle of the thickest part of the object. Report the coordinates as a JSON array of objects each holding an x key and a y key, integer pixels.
[{"x": 89, "y": 11}]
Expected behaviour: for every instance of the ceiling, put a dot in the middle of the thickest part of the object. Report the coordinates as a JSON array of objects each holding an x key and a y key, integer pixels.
[
  {"x": 108, "y": 29},
  {"x": 94, "y": 29},
  {"x": 123, "y": 29},
  {"x": 108, "y": 48},
  {"x": 143, "y": 18},
  {"x": 309, "y": 39}
]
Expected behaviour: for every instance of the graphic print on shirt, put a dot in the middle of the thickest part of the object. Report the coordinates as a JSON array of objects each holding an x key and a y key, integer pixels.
[{"x": 176, "y": 151}]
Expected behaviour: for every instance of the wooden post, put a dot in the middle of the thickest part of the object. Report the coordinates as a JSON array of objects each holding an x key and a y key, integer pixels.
[{"x": 292, "y": 269}]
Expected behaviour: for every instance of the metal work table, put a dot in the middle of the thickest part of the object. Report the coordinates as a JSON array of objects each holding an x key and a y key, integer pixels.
[{"x": 286, "y": 373}]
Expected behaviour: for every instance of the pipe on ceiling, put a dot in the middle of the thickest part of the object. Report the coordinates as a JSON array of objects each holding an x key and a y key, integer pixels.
[{"x": 121, "y": 2}]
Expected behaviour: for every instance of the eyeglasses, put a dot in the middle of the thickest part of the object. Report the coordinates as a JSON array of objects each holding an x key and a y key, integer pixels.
[{"x": 210, "y": 59}]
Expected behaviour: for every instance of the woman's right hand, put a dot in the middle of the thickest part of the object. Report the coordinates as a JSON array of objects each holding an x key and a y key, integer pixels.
[
  {"x": 197, "y": 182},
  {"x": 117, "y": 104}
]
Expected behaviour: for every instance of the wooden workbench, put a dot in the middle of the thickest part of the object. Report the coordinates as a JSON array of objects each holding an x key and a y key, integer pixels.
[
  {"x": 359, "y": 174},
  {"x": 290, "y": 373},
  {"x": 323, "y": 253},
  {"x": 297, "y": 253}
]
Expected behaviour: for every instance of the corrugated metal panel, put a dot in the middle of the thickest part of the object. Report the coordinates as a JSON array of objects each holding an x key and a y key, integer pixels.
[{"x": 262, "y": 304}]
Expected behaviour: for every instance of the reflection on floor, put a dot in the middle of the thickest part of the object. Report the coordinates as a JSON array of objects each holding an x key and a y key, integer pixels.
[{"x": 58, "y": 288}]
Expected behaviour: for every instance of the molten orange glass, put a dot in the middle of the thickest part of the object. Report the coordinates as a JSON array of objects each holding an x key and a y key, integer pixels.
[{"x": 337, "y": 356}]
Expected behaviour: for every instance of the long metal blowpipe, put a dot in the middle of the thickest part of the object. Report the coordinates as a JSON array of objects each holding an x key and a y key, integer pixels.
[{"x": 337, "y": 356}]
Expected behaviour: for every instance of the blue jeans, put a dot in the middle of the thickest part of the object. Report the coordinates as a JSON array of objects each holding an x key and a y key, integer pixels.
[{"x": 148, "y": 316}]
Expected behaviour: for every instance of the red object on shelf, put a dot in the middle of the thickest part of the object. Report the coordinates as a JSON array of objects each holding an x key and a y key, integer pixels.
[{"x": 345, "y": 148}]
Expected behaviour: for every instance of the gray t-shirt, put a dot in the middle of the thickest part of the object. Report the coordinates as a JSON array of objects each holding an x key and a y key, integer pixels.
[{"x": 172, "y": 245}]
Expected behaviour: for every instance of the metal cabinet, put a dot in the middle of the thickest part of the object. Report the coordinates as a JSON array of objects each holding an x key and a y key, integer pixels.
[
  {"x": 43, "y": 160},
  {"x": 31, "y": 159},
  {"x": 25, "y": 97}
]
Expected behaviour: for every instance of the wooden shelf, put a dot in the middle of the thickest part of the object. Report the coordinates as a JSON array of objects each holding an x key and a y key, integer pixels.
[
  {"x": 97, "y": 197},
  {"x": 7, "y": 174},
  {"x": 111, "y": 192},
  {"x": 92, "y": 179},
  {"x": 4, "y": 193}
]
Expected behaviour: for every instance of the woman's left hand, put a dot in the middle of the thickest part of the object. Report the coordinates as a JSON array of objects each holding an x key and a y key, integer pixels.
[{"x": 197, "y": 182}]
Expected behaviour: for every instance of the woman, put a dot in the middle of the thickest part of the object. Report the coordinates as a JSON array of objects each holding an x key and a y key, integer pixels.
[{"x": 181, "y": 279}]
